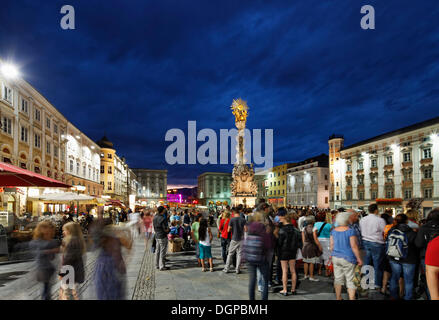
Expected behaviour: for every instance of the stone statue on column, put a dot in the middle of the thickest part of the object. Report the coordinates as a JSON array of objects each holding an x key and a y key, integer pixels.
[{"x": 243, "y": 186}]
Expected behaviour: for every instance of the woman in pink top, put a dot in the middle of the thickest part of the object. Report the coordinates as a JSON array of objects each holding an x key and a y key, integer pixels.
[{"x": 147, "y": 226}]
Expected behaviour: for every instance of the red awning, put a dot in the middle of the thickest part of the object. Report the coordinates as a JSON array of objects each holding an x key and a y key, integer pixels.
[
  {"x": 13, "y": 176},
  {"x": 115, "y": 203}
]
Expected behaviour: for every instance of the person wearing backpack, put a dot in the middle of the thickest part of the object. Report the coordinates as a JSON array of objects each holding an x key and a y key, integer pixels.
[
  {"x": 426, "y": 233},
  {"x": 403, "y": 256},
  {"x": 288, "y": 242},
  {"x": 255, "y": 250}
]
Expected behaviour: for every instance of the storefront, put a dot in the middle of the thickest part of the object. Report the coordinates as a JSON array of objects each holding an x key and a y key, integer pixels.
[
  {"x": 395, "y": 205},
  {"x": 13, "y": 199},
  {"x": 279, "y": 202}
]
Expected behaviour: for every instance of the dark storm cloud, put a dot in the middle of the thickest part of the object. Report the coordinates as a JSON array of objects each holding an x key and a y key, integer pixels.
[{"x": 132, "y": 70}]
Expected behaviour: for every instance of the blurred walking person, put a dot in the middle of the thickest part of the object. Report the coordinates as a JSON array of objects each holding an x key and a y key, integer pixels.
[
  {"x": 147, "y": 226},
  {"x": 44, "y": 247},
  {"x": 73, "y": 248},
  {"x": 256, "y": 250},
  {"x": 110, "y": 273}
]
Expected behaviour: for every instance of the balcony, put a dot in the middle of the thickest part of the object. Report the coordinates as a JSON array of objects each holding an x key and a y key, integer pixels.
[
  {"x": 427, "y": 161},
  {"x": 407, "y": 164},
  {"x": 407, "y": 184},
  {"x": 426, "y": 182},
  {"x": 388, "y": 167}
]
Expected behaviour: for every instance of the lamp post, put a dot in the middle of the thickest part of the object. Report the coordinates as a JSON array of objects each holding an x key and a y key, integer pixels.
[{"x": 9, "y": 70}]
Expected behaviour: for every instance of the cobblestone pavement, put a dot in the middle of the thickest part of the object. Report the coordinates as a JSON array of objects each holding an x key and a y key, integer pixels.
[
  {"x": 184, "y": 280},
  {"x": 145, "y": 284},
  {"x": 17, "y": 280}
]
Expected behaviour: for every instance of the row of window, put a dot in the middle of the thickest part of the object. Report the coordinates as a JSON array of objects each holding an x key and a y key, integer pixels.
[
  {"x": 24, "y": 137},
  {"x": 290, "y": 189},
  {"x": 93, "y": 174},
  {"x": 302, "y": 201},
  {"x": 7, "y": 96},
  {"x": 427, "y": 173},
  {"x": 389, "y": 193},
  {"x": 407, "y": 157},
  {"x": 273, "y": 192},
  {"x": 273, "y": 174}
]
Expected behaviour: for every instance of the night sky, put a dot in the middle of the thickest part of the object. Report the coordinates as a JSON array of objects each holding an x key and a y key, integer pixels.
[{"x": 134, "y": 69}]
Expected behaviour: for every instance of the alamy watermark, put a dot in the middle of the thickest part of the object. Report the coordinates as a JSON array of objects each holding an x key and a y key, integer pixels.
[
  {"x": 209, "y": 153},
  {"x": 68, "y": 279},
  {"x": 68, "y": 20}
]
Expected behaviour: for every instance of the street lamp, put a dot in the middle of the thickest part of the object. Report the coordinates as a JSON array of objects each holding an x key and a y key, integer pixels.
[{"x": 9, "y": 70}]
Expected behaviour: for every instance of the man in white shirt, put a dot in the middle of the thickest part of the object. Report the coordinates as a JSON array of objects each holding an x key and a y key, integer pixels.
[{"x": 372, "y": 232}]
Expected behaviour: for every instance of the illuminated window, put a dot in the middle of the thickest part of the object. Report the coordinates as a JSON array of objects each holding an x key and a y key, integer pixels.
[
  {"x": 7, "y": 94},
  {"x": 427, "y": 173},
  {"x": 24, "y": 134},
  {"x": 389, "y": 160},
  {"x": 427, "y": 153},
  {"x": 24, "y": 106},
  {"x": 7, "y": 125},
  {"x": 37, "y": 141},
  {"x": 37, "y": 115}
]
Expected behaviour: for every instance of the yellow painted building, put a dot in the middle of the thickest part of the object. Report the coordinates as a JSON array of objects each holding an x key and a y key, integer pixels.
[
  {"x": 277, "y": 184},
  {"x": 108, "y": 154}
]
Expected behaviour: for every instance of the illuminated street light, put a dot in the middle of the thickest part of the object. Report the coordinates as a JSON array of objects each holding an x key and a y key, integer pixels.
[{"x": 9, "y": 70}]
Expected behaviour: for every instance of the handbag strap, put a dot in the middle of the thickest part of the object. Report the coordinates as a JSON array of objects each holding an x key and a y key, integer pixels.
[{"x": 321, "y": 229}]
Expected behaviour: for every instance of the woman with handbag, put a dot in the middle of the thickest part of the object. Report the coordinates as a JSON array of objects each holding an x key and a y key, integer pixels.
[
  {"x": 311, "y": 251},
  {"x": 322, "y": 230},
  {"x": 345, "y": 255}
]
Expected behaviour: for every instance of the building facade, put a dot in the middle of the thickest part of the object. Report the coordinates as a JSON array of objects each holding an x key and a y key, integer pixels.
[
  {"x": 214, "y": 188},
  {"x": 120, "y": 179},
  {"x": 389, "y": 169},
  {"x": 31, "y": 130},
  {"x": 114, "y": 172},
  {"x": 308, "y": 183},
  {"x": 83, "y": 161},
  {"x": 261, "y": 180},
  {"x": 152, "y": 186},
  {"x": 277, "y": 184}
]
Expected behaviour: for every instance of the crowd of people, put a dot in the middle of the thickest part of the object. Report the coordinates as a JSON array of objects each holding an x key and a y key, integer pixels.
[
  {"x": 275, "y": 245},
  {"x": 401, "y": 251}
]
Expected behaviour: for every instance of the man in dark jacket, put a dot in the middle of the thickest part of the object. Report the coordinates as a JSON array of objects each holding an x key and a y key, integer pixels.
[
  {"x": 404, "y": 266},
  {"x": 161, "y": 230},
  {"x": 425, "y": 234}
]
